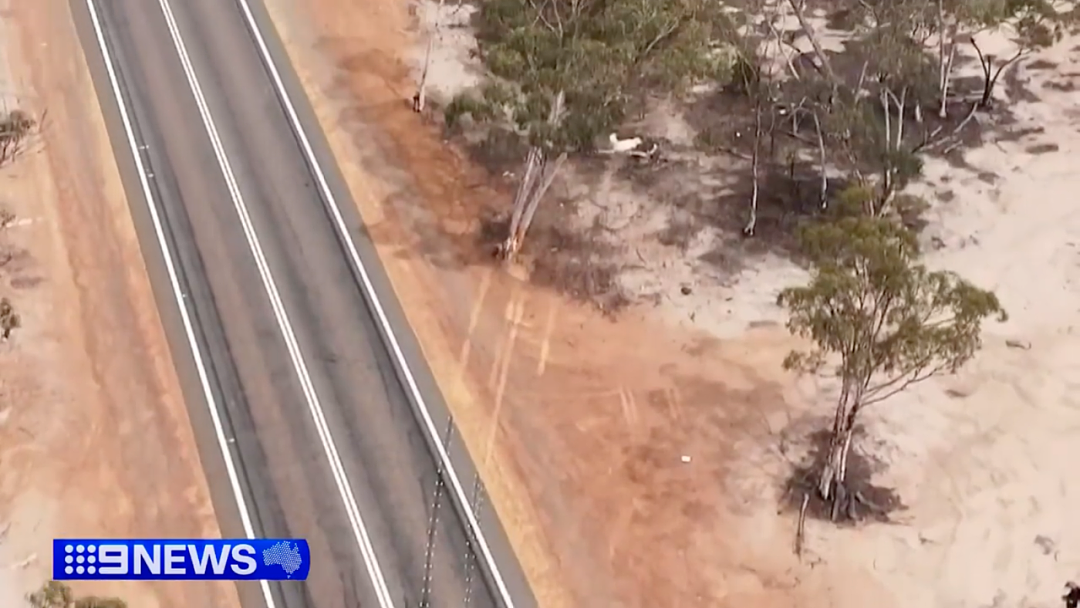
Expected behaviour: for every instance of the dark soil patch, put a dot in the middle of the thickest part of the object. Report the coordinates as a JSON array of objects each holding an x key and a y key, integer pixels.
[
  {"x": 862, "y": 500},
  {"x": 1014, "y": 135},
  {"x": 26, "y": 282},
  {"x": 1017, "y": 88},
  {"x": 1041, "y": 64},
  {"x": 680, "y": 232},
  {"x": 718, "y": 197},
  {"x": 1042, "y": 148},
  {"x": 499, "y": 151},
  {"x": 1061, "y": 85}
]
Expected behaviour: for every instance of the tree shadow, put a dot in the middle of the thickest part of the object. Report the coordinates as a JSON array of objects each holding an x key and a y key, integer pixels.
[
  {"x": 861, "y": 500},
  {"x": 569, "y": 261},
  {"x": 787, "y": 196}
]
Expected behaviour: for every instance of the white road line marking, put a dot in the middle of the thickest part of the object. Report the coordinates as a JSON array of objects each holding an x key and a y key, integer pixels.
[
  {"x": 380, "y": 313},
  {"x": 360, "y": 532},
  {"x": 185, "y": 315}
]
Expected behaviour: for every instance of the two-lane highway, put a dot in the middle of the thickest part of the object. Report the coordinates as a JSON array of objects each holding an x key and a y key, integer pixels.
[{"x": 316, "y": 416}]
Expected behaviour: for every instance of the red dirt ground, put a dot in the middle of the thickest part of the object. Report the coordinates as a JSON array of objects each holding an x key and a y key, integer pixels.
[{"x": 98, "y": 441}]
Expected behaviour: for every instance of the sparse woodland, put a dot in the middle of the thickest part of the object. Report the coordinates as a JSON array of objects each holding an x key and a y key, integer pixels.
[{"x": 563, "y": 74}]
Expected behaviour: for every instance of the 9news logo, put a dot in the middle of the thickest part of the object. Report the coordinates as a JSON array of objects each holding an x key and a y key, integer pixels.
[
  {"x": 176, "y": 559},
  {"x": 77, "y": 563}
]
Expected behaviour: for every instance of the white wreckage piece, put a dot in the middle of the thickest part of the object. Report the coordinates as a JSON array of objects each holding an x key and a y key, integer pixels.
[{"x": 632, "y": 146}]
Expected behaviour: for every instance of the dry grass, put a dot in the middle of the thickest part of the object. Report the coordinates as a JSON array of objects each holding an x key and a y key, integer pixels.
[{"x": 54, "y": 594}]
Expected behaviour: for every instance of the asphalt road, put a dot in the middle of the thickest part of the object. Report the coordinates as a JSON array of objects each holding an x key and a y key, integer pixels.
[{"x": 310, "y": 430}]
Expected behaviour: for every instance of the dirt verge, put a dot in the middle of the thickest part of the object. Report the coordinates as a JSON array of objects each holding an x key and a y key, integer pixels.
[{"x": 96, "y": 439}]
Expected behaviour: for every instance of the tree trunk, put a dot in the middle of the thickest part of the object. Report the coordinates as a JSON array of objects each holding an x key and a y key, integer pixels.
[
  {"x": 988, "y": 82},
  {"x": 823, "y": 195},
  {"x": 420, "y": 98},
  {"x": 832, "y": 481},
  {"x": 946, "y": 79},
  {"x": 532, "y": 168},
  {"x": 540, "y": 172},
  {"x": 990, "y": 76},
  {"x": 826, "y": 65},
  {"x": 838, "y": 456},
  {"x": 755, "y": 162},
  {"x": 988, "y": 90},
  {"x": 946, "y": 56},
  {"x": 537, "y": 178},
  {"x": 549, "y": 172}
]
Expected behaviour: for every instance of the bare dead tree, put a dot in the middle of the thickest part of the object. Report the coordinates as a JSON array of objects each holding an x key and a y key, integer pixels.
[
  {"x": 823, "y": 191},
  {"x": 540, "y": 171},
  {"x": 990, "y": 75},
  {"x": 947, "y": 27},
  {"x": 800, "y": 529},
  {"x": 755, "y": 163},
  {"x": 808, "y": 29},
  {"x": 420, "y": 97}
]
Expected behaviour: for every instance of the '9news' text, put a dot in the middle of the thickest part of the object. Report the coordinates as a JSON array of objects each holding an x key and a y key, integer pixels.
[{"x": 180, "y": 559}]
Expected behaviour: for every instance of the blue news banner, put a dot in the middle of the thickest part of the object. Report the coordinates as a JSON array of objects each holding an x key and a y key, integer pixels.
[{"x": 279, "y": 559}]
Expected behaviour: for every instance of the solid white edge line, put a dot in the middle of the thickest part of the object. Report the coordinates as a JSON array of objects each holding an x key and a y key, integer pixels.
[
  {"x": 384, "y": 321},
  {"x": 352, "y": 509},
  {"x": 159, "y": 232}
]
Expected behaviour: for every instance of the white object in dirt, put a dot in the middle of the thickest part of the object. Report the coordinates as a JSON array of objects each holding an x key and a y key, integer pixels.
[
  {"x": 685, "y": 458},
  {"x": 623, "y": 145}
]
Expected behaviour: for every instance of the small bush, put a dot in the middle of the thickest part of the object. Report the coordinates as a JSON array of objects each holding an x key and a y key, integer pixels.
[
  {"x": 15, "y": 127},
  {"x": 54, "y": 594},
  {"x": 9, "y": 319}
]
